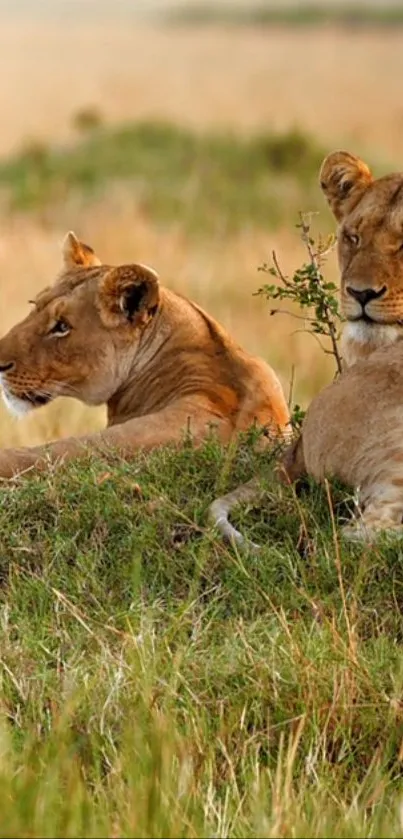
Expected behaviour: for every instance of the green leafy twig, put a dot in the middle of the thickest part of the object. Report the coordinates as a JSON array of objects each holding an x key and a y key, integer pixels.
[{"x": 309, "y": 289}]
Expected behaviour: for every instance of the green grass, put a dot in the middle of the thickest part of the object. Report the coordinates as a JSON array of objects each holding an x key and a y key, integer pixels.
[
  {"x": 158, "y": 683},
  {"x": 301, "y": 14},
  {"x": 214, "y": 182}
]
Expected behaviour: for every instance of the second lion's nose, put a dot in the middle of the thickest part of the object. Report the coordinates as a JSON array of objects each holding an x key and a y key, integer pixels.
[{"x": 364, "y": 295}]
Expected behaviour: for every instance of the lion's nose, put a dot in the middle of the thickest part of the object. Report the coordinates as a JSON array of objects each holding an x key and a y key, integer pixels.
[
  {"x": 364, "y": 295},
  {"x": 5, "y": 367}
]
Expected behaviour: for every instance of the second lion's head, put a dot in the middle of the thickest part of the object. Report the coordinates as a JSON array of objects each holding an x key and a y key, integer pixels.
[{"x": 369, "y": 212}]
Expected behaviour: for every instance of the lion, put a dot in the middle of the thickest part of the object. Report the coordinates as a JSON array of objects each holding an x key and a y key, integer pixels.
[
  {"x": 113, "y": 335},
  {"x": 353, "y": 429}
]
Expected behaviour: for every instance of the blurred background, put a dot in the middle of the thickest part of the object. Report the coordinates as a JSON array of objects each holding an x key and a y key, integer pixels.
[{"x": 188, "y": 136}]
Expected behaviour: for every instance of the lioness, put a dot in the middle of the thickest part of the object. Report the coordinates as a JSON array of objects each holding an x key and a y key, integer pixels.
[
  {"x": 353, "y": 429},
  {"x": 112, "y": 335}
]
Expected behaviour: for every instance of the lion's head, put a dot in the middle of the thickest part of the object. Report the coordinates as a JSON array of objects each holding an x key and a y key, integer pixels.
[
  {"x": 370, "y": 251},
  {"x": 83, "y": 334}
]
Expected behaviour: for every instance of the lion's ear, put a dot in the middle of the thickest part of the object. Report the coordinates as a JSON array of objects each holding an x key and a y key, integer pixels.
[
  {"x": 77, "y": 254},
  {"x": 343, "y": 179},
  {"x": 129, "y": 293}
]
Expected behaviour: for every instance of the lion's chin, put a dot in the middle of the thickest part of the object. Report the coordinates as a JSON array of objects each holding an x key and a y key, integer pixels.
[
  {"x": 19, "y": 407},
  {"x": 362, "y": 337},
  {"x": 16, "y": 406},
  {"x": 366, "y": 329}
]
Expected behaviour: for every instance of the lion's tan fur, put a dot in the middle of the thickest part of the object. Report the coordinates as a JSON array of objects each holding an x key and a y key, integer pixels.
[
  {"x": 160, "y": 363},
  {"x": 353, "y": 429}
]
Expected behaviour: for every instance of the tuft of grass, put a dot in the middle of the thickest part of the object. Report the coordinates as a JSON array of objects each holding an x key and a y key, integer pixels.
[
  {"x": 357, "y": 15},
  {"x": 158, "y": 683},
  {"x": 210, "y": 181},
  {"x": 87, "y": 119}
]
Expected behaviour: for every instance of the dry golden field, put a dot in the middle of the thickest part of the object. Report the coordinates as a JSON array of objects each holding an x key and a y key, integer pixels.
[{"x": 343, "y": 87}]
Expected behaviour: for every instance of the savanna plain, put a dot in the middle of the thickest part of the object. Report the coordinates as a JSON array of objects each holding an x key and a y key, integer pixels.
[{"x": 154, "y": 681}]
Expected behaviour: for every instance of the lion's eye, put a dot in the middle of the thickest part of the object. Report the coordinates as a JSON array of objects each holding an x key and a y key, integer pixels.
[
  {"x": 61, "y": 327},
  {"x": 352, "y": 238}
]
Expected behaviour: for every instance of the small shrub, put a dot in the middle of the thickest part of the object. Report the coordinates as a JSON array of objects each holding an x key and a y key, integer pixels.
[
  {"x": 87, "y": 119},
  {"x": 310, "y": 292}
]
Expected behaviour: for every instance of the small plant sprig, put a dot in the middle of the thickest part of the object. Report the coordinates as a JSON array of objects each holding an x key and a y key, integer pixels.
[
  {"x": 309, "y": 289},
  {"x": 297, "y": 418}
]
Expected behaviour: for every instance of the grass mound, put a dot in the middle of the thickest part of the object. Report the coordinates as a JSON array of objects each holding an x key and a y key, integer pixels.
[
  {"x": 157, "y": 683},
  {"x": 210, "y": 181},
  {"x": 357, "y": 15}
]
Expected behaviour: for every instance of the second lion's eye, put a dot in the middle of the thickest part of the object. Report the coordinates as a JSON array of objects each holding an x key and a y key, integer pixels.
[
  {"x": 61, "y": 327},
  {"x": 352, "y": 238}
]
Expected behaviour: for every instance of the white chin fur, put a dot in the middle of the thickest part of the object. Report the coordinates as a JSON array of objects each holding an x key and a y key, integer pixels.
[
  {"x": 17, "y": 407},
  {"x": 372, "y": 333},
  {"x": 359, "y": 335}
]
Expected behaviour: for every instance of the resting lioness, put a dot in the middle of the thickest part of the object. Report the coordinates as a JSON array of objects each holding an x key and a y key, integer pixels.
[
  {"x": 159, "y": 362},
  {"x": 353, "y": 430}
]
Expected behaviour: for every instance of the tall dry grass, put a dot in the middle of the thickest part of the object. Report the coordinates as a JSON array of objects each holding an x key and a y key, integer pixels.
[{"x": 343, "y": 85}]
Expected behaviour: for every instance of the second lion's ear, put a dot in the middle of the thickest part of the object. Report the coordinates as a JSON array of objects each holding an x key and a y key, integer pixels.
[
  {"x": 76, "y": 254},
  {"x": 129, "y": 293},
  {"x": 344, "y": 179}
]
